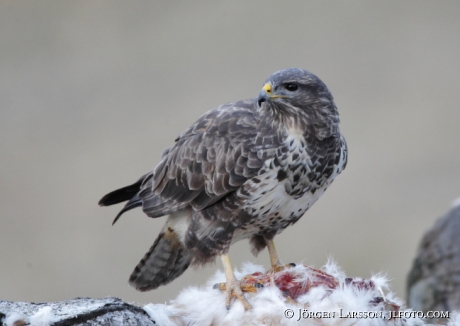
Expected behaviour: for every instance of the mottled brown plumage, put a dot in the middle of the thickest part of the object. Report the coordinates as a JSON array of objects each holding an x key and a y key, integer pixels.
[{"x": 246, "y": 169}]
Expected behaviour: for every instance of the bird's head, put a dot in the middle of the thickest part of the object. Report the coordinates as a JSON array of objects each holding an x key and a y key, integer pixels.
[{"x": 296, "y": 96}]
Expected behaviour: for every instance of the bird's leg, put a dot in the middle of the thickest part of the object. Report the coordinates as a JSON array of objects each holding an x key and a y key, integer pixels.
[
  {"x": 232, "y": 286},
  {"x": 275, "y": 261}
]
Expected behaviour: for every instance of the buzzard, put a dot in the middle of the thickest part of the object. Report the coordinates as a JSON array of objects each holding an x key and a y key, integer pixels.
[{"x": 244, "y": 170}]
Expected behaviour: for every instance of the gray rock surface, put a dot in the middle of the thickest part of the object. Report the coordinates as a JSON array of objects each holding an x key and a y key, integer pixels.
[
  {"x": 76, "y": 312},
  {"x": 434, "y": 281}
]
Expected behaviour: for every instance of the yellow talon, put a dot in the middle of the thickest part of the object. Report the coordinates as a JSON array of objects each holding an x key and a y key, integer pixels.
[{"x": 233, "y": 287}]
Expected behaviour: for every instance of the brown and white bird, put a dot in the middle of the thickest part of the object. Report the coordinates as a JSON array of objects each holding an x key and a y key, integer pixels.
[{"x": 244, "y": 170}]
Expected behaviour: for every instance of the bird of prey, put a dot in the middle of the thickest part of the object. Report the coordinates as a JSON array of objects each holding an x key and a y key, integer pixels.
[{"x": 243, "y": 170}]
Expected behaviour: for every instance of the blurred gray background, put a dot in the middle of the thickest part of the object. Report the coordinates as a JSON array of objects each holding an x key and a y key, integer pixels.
[{"x": 92, "y": 92}]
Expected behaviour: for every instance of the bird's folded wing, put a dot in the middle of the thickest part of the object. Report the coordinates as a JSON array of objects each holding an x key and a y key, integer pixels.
[{"x": 211, "y": 159}]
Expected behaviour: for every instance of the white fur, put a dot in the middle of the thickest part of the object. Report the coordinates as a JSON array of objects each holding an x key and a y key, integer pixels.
[
  {"x": 12, "y": 318},
  {"x": 454, "y": 319},
  {"x": 159, "y": 313},
  {"x": 206, "y": 306},
  {"x": 43, "y": 317}
]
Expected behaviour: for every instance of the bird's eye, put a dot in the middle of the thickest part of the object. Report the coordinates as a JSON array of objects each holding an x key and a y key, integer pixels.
[{"x": 291, "y": 87}]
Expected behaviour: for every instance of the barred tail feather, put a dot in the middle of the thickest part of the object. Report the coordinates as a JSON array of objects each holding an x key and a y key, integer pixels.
[{"x": 166, "y": 260}]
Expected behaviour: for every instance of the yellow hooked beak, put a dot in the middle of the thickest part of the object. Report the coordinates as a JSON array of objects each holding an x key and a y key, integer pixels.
[
  {"x": 267, "y": 93},
  {"x": 267, "y": 88}
]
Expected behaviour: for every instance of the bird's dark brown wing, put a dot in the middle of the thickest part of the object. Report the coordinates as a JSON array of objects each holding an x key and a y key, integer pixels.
[{"x": 211, "y": 159}]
